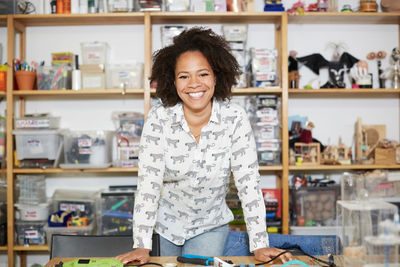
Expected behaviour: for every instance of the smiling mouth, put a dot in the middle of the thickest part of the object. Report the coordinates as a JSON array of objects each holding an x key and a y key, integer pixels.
[{"x": 196, "y": 95}]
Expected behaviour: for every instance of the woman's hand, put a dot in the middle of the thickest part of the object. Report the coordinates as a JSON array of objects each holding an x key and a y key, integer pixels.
[
  {"x": 266, "y": 254},
  {"x": 142, "y": 255}
]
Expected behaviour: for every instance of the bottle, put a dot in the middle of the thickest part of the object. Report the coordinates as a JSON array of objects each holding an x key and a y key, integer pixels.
[
  {"x": 76, "y": 75},
  {"x": 47, "y": 6},
  {"x": 83, "y": 6},
  {"x": 74, "y": 6},
  {"x": 53, "y": 6}
]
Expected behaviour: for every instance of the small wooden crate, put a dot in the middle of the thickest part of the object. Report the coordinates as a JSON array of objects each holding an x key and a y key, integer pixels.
[
  {"x": 309, "y": 152},
  {"x": 385, "y": 156}
]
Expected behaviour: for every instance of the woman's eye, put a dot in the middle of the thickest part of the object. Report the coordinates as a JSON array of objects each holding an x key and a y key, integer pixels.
[
  {"x": 182, "y": 77},
  {"x": 204, "y": 74}
]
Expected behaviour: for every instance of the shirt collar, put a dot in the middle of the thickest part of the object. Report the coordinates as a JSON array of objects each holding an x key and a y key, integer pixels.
[{"x": 179, "y": 117}]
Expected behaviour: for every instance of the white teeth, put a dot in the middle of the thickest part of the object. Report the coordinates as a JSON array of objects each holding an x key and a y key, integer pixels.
[{"x": 198, "y": 94}]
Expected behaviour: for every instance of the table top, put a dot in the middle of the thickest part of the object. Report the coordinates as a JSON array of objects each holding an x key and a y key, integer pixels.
[{"x": 234, "y": 259}]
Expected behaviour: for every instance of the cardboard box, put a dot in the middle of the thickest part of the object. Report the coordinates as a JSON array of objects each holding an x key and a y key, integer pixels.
[{"x": 385, "y": 156}]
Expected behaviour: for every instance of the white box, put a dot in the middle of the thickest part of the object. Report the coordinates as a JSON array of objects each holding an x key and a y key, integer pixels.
[{"x": 95, "y": 53}]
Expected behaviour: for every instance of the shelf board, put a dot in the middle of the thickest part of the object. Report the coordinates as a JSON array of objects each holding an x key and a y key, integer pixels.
[
  {"x": 341, "y": 167},
  {"x": 215, "y": 17},
  {"x": 81, "y": 19},
  {"x": 3, "y": 248},
  {"x": 248, "y": 91},
  {"x": 32, "y": 248},
  {"x": 344, "y": 92},
  {"x": 256, "y": 90},
  {"x": 3, "y": 93},
  {"x": 346, "y": 18},
  {"x": 77, "y": 93},
  {"x": 270, "y": 168},
  {"x": 59, "y": 170}
]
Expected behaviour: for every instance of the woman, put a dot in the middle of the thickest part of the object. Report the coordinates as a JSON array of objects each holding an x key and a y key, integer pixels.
[{"x": 190, "y": 144}]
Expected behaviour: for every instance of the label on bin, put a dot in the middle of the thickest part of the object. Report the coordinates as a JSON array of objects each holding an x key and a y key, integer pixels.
[
  {"x": 34, "y": 146},
  {"x": 45, "y": 123},
  {"x": 84, "y": 145}
]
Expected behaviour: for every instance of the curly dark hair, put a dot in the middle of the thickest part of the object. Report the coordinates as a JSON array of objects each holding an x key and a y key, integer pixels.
[{"x": 214, "y": 48}]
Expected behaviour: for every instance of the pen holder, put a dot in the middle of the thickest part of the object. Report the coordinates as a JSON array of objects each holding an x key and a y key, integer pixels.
[{"x": 25, "y": 79}]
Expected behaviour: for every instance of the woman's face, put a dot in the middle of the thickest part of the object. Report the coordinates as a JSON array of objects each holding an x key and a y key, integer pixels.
[{"x": 194, "y": 81}]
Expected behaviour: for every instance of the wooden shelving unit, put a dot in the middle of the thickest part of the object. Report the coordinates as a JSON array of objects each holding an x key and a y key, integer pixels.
[{"x": 17, "y": 24}]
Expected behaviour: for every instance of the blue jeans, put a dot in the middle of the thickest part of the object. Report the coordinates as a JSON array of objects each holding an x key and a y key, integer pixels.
[{"x": 207, "y": 244}]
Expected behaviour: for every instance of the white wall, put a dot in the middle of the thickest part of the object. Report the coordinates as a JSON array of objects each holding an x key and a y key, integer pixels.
[{"x": 333, "y": 117}]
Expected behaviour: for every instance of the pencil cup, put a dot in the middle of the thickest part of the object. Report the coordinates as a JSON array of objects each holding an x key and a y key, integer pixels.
[{"x": 25, "y": 79}]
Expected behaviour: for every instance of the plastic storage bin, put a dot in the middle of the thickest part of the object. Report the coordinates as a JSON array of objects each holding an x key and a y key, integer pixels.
[
  {"x": 80, "y": 201},
  {"x": 116, "y": 212},
  {"x": 30, "y": 233},
  {"x": 31, "y": 189},
  {"x": 37, "y": 121},
  {"x": 87, "y": 149},
  {"x": 37, "y": 144},
  {"x": 358, "y": 219},
  {"x": 38, "y": 212},
  {"x": 125, "y": 75},
  {"x": 95, "y": 53},
  {"x": 54, "y": 77},
  {"x": 315, "y": 206}
]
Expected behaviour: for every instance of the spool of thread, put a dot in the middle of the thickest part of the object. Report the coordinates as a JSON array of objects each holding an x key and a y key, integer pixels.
[
  {"x": 368, "y": 6},
  {"x": 83, "y": 7},
  {"x": 74, "y": 6}
]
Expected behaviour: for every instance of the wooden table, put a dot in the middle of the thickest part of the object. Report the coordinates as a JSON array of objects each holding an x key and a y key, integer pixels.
[{"x": 236, "y": 260}]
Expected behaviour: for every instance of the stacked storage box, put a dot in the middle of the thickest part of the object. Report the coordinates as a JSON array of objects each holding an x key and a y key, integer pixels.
[
  {"x": 236, "y": 35},
  {"x": 32, "y": 210},
  {"x": 38, "y": 141},
  {"x": 82, "y": 209},
  {"x": 94, "y": 58},
  {"x": 130, "y": 126},
  {"x": 87, "y": 149},
  {"x": 116, "y": 210},
  {"x": 266, "y": 127}
]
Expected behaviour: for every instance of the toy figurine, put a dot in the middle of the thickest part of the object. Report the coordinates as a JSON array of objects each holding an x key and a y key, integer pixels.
[
  {"x": 293, "y": 70},
  {"x": 393, "y": 72},
  {"x": 378, "y": 56},
  {"x": 336, "y": 67},
  {"x": 273, "y": 5},
  {"x": 298, "y": 8}
]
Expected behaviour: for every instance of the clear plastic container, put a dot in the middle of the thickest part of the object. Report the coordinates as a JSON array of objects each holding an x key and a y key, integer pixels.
[
  {"x": 54, "y": 77},
  {"x": 30, "y": 233},
  {"x": 79, "y": 201},
  {"x": 87, "y": 149},
  {"x": 122, "y": 76},
  {"x": 31, "y": 189},
  {"x": 116, "y": 212},
  {"x": 95, "y": 53},
  {"x": 315, "y": 206},
  {"x": 29, "y": 212},
  {"x": 356, "y": 220},
  {"x": 37, "y": 144}
]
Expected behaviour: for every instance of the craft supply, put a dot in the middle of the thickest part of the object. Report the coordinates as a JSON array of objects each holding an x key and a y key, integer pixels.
[{"x": 76, "y": 75}]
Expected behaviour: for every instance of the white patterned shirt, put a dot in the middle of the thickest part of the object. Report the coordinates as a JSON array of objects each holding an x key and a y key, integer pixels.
[{"x": 182, "y": 184}]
